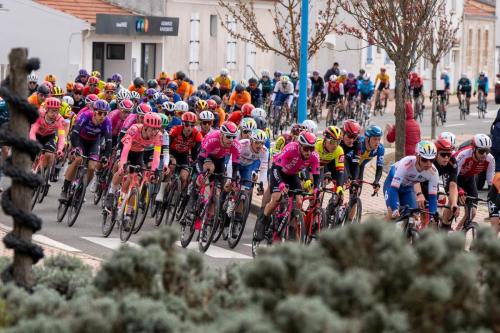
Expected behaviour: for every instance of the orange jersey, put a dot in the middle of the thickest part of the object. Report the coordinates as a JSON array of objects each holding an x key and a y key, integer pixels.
[
  {"x": 33, "y": 99},
  {"x": 140, "y": 90},
  {"x": 240, "y": 99}
]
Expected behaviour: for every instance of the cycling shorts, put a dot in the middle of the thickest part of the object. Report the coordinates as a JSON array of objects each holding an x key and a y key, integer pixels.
[
  {"x": 468, "y": 184},
  {"x": 381, "y": 86},
  {"x": 48, "y": 142},
  {"x": 292, "y": 181},
  {"x": 135, "y": 158},
  {"x": 180, "y": 158},
  {"x": 365, "y": 97},
  {"x": 332, "y": 99},
  {"x": 148, "y": 156},
  {"x": 90, "y": 148},
  {"x": 467, "y": 91},
  {"x": 417, "y": 91}
]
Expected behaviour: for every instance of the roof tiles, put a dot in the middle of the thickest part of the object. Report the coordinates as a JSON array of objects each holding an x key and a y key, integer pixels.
[{"x": 476, "y": 8}]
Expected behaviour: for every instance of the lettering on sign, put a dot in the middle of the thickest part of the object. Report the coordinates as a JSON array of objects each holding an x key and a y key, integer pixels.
[{"x": 121, "y": 24}]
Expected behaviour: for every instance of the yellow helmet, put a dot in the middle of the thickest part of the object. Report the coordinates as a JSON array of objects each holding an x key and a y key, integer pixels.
[
  {"x": 332, "y": 132},
  {"x": 96, "y": 74},
  {"x": 202, "y": 104},
  {"x": 57, "y": 91}
]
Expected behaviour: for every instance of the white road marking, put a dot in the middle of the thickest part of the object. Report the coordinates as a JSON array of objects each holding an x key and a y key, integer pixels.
[
  {"x": 217, "y": 252},
  {"x": 453, "y": 125},
  {"x": 110, "y": 243},
  {"x": 50, "y": 242}
]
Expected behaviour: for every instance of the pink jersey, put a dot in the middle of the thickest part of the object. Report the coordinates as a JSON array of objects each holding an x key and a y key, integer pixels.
[
  {"x": 133, "y": 141},
  {"x": 42, "y": 128},
  {"x": 116, "y": 122},
  {"x": 129, "y": 121},
  {"x": 291, "y": 161},
  {"x": 211, "y": 146},
  {"x": 468, "y": 166}
]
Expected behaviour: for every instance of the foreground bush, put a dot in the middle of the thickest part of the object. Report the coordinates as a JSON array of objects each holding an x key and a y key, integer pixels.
[{"x": 358, "y": 279}]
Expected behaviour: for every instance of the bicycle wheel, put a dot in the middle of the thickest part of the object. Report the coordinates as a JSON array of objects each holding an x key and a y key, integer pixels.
[
  {"x": 209, "y": 223},
  {"x": 162, "y": 206},
  {"x": 76, "y": 202},
  {"x": 173, "y": 201},
  {"x": 45, "y": 186},
  {"x": 108, "y": 220},
  {"x": 295, "y": 230},
  {"x": 470, "y": 235},
  {"x": 155, "y": 188},
  {"x": 100, "y": 185},
  {"x": 187, "y": 227},
  {"x": 355, "y": 208},
  {"x": 318, "y": 224},
  {"x": 236, "y": 227},
  {"x": 144, "y": 203},
  {"x": 132, "y": 209},
  {"x": 38, "y": 190}
]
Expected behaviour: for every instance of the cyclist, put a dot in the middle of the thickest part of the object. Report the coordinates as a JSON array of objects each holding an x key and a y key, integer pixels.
[
  {"x": 171, "y": 92},
  {"x": 79, "y": 101},
  {"x": 69, "y": 88},
  {"x": 82, "y": 77},
  {"x": 255, "y": 92},
  {"x": 283, "y": 93},
  {"x": 482, "y": 85},
  {"x": 101, "y": 83},
  {"x": 224, "y": 82},
  {"x": 417, "y": 86},
  {"x": 237, "y": 116},
  {"x": 32, "y": 83},
  {"x": 117, "y": 118},
  {"x": 472, "y": 160},
  {"x": 89, "y": 129},
  {"x": 317, "y": 86},
  {"x": 248, "y": 125},
  {"x": 45, "y": 129},
  {"x": 137, "y": 138},
  {"x": 294, "y": 157},
  {"x": 266, "y": 84},
  {"x": 294, "y": 77},
  {"x": 335, "y": 91},
  {"x": 450, "y": 136},
  {"x": 464, "y": 88},
  {"x": 162, "y": 81},
  {"x": 276, "y": 78},
  {"x": 117, "y": 80},
  {"x": 134, "y": 118},
  {"x": 212, "y": 87},
  {"x": 138, "y": 86},
  {"x": 91, "y": 87},
  {"x": 219, "y": 114},
  {"x": 399, "y": 189},
  {"x": 286, "y": 138},
  {"x": 343, "y": 76},
  {"x": 331, "y": 157},
  {"x": 371, "y": 147},
  {"x": 446, "y": 78},
  {"x": 135, "y": 97},
  {"x": 109, "y": 92},
  {"x": 51, "y": 78},
  {"x": 39, "y": 96},
  {"x": 310, "y": 126},
  {"x": 351, "y": 87},
  {"x": 174, "y": 117},
  {"x": 383, "y": 87},
  {"x": 366, "y": 89},
  {"x": 206, "y": 122},
  {"x": 441, "y": 92},
  {"x": 238, "y": 98},
  {"x": 121, "y": 95},
  {"x": 351, "y": 147}
]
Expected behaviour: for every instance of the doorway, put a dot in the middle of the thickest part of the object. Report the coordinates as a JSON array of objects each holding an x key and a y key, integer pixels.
[{"x": 148, "y": 60}]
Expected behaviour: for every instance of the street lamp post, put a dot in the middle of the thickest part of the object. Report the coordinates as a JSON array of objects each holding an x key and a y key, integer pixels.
[{"x": 303, "y": 61}]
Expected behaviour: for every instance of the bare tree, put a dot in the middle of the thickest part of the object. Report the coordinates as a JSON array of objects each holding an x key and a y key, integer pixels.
[
  {"x": 400, "y": 28},
  {"x": 440, "y": 40},
  {"x": 286, "y": 16}
]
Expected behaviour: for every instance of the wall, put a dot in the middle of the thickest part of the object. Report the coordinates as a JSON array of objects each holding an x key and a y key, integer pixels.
[
  {"x": 123, "y": 67},
  {"x": 476, "y": 65},
  {"x": 151, "y": 7},
  {"x": 50, "y": 35}
]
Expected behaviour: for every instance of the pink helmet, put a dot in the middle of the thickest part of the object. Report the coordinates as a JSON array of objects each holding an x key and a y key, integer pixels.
[
  {"x": 126, "y": 104},
  {"x": 52, "y": 103},
  {"x": 247, "y": 109},
  {"x": 152, "y": 120},
  {"x": 307, "y": 139},
  {"x": 229, "y": 128}
]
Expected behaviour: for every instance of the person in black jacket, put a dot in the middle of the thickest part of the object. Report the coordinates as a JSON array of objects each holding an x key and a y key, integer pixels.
[
  {"x": 255, "y": 92},
  {"x": 495, "y": 140},
  {"x": 332, "y": 71}
]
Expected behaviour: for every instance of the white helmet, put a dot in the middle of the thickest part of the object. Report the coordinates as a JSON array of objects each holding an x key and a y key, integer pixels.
[
  {"x": 122, "y": 94},
  {"x": 32, "y": 77},
  {"x": 265, "y": 72},
  {"x": 181, "y": 106},
  {"x": 248, "y": 124},
  {"x": 244, "y": 83},
  {"x": 224, "y": 72},
  {"x": 463, "y": 76},
  {"x": 258, "y": 112},
  {"x": 258, "y": 135},
  {"x": 450, "y": 136},
  {"x": 333, "y": 77},
  {"x": 206, "y": 116},
  {"x": 366, "y": 77},
  {"x": 482, "y": 73},
  {"x": 69, "y": 100},
  {"x": 310, "y": 125},
  {"x": 426, "y": 149},
  {"x": 343, "y": 72},
  {"x": 481, "y": 141},
  {"x": 294, "y": 75}
]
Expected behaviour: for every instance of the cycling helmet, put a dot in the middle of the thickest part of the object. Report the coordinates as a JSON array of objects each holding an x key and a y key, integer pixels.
[
  {"x": 138, "y": 81},
  {"x": 426, "y": 149},
  {"x": 180, "y": 75},
  {"x": 205, "y": 87},
  {"x": 70, "y": 86},
  {"x": 252, "y": 80},
  {"x": 277, "y": 74},
  {"x": 216, "y": 98},
  {"x": 351, "y": 75},
  {"x": 142, "y": 109},
  {"x": 382, "y": 69},
  {"x": 332, "y": 132},
  {"x": 443, "y": 145},
  {"x": 450, "y": 136},
  {"x": 181, "y": 106},
  {"x": 91, "y": 98},
  {"x": 463, "y": 76},
  {"x": 284, "y": 78},
  {"x": 310, "y": 125},
  {"x": 135, "y": 96},
  {"x": 189, "y": 117},
  {"x": 116, "y": 77},
  {"x": 32, "y": 77},
  {"x": 52, "y": 103},
  {"x": 211, "y": 104},
  {"x": 110, "y": 86},
  {"x": 201, "y": 94},
  {"x": 78, "y": 88},
  {"x": 123, "y": 94},
  {"x": 366, "y": 77},
  {"x": 96, "y": 74},
  {"x": 48, "y": 84},
  {"x": 168, "y": 106},
  {"x": 482, "y": 73},
  {"x": 50, "y": 78},
  {"x": 207, "y": 116},
  {"x": 162, "y": 76},
  {"x": 101, "y": 105},
  {"x": 258, "y": 135},
  {"x": 247, "y": 109},
  {"x": 351, "y": 127},
  {"x": 239, "y": 88},
  {"x": 373, "y": 130},
  {"x": 126, "y": 104},
  {"x": 481, "y": 141},
  {"x": 83, "y": 72},
  {"x": 229, "y": 128},
  {"x": 333, "y": 78},
  {"x": 152, "y": 83},
  {"x": 315, "y": 73},
  {"x": 43, "y": 89},
  {"x": 93, "y": 80},
  {"x": 57, "y": 91},
  {"x": 248, "y": 124},
  {"x": 210, "y": 80},
  {"x": 164, "y": 120},
  {"x": 152, "y": 120},
  {"x": 172, "y": 85},
  {"x": 307, "y": 139},
  {"x": 69, "y": 100},
  {"x": 150, "y": 92},
  {"x": 192, "y": 101},
  {"x": 259, "y": 112},
  {"x": 343, "y": 72},
  {"x": 201, "y": 104},
  {"x": 296, "y": 129},
  {"x": 157, "y": 96},
  {"x": 264, "y": 73},
  {"x": 224, "y": 72},
  {"x": 261, "y": 123},
  {"x": 294, "y": 75}
]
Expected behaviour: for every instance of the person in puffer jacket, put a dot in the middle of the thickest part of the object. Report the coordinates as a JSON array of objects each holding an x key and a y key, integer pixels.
[
  {"x": 412, "y": 131},
  {"x": 495, "y": 140}
]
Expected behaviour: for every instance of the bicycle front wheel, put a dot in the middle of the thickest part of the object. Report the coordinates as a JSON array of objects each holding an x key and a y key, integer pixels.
[
  {"x": 108, "y": 221},
  {"x": 45, "y": 186},
  {"x": 132, "y": 210},
  {"x": 37, "y": 191},
  {"x": 355, "y": 210},
  {"x": 144, "y": 203},
  {"x": 76, "y": 202},
  {"x": 237, "y": 226},
  {"x": 470, "y": 235},
  {"x": 295, "y": 230},
  {"x": 318, "y": 223},
  {"x": 173, "y": 201},
  {"x": 209, "y": 223}
]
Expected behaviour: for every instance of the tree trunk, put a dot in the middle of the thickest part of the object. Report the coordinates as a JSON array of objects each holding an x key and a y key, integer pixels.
[
  {"x": 434, "y": 104},
  {"x": 20, "y": 194},
  {"x": 400, "y": 112}
]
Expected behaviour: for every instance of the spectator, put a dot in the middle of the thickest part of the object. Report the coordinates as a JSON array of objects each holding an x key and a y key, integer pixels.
[
  {"x": 332, "y": 71},
  {"x": 412, "y": 131},
  {"x": 495, "y": 139}
]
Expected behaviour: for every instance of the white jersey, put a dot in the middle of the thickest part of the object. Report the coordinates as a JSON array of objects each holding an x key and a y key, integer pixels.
[
  {"x": 407, "y": 175},
  {"x": 284, "y": 87},
  {"x": 248, "y": 157}
]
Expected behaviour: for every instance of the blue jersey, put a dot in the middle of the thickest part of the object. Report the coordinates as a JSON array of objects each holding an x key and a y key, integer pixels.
[
  {"x": 366, "y": 88},
  {"x": 482, "y": 84},
  {"x": 174, "y": 122},
  {"x": 367, "y": 155}
]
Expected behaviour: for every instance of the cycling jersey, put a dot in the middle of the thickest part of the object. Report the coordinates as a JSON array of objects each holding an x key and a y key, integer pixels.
[
  {"x": 416, "y": 82},
  {"x": 211, "y": 147},
  {"x": 239, "y": 99},
  {"x": 224, "y": 82},
  {"x": 140, "y": 90},
  {"x": 251, "y": 161},
  {"x": 43, "y": 128},
  {"x": 382, "y": 78},
  {"x": 285, "y": 88},
  {"x": 133, "y": 141},
  {"x": 115, "y": 117},
  {"x": 336, "y": 88},
  {"x": 351, "y": 159},
  {"x": 317, "y": 85},
  {"x": 482, "y": 84},
  {"x": 464, "y": 85},
  {"x": 367, "y": 155},
  {"x": 86, "y": 135},
  {"x": 468, "y": 166},
  {"x": 266, "y": 85},
  {"x": 336, "y": 157},
  {"x": 184, "y": 145},
  {"x": 448, "y": 172},
  {"x": 351, "y": 86},
  {"x": 281, "y": 142},
  {"x": 86, "y": 91},
  {"x": 366, "y": 88},
  {"x": 291, "y": 162},
  {"x": 33, "y": 99},
  {"x": 129, "y": 121}
]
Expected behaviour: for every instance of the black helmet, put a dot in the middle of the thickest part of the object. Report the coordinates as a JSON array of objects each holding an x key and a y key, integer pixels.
[
  {"x": 138, "y": 81},
  {"x": 152, "y": 83},
  {"x": 252, "y": 80},
  {"x": 239, "y": 88},
  {"x": 216, "y": 98},
  {"x": 209, "y": 80},
  {"x": 180, "y": 75},
  {"x": 43, "y": 89},
  {"x": 261, "y": 123},
  {"x": 192, "y": 100}
]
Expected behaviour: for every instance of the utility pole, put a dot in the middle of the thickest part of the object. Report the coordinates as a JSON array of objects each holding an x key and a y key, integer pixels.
[{"x": 304, "y": 25}]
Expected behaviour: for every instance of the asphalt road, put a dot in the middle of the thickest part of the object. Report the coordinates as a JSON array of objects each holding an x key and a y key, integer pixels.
[{"x": 85, "y": 236}]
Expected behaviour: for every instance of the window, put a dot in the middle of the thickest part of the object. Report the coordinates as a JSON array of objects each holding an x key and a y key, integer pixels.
[
  {"x": 148, "y": 60},
  {"x": 469, "y": 48},
  {"x": 194, "y": 42},
  {"x": 98, "y": 56},
  {"x": 115, "y": 51},
  {"x": 231, "y": 45},
  {"x": 213, "y": 25}
]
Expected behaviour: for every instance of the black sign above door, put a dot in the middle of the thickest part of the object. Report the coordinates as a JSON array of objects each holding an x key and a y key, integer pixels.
[{"x": 136, "y": 25}]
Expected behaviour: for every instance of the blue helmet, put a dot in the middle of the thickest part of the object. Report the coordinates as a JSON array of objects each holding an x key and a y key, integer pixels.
[{"x": 373, "y": 130}]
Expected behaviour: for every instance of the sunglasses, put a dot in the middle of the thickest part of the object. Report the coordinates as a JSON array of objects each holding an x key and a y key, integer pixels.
[
  {"x": 93, "y": 85},
  {"x": 76, "y": 93},
  {"x": 445, "y": 155},
  {"x": 332, "y": 141},
  {"x": 126, "y": 111},
  {"x": 229, "y": 137},
  {"x": 246, "y": 131},
  {"x": 308, "y": 149},
  {"x": 188, "y": 124},
  {"x": 352, "y": 136},
  {"x": 483, "y": 151},
  {"x": 206, "y": 123},
  {"x": 101, "y": 113},
  {"x": 426, "y": 160},
  {"x": 109, "y": 91},
  {"x": 33, "y": 82}
]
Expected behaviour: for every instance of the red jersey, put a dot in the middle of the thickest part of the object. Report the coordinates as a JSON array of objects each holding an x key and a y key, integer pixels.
[
  {"x": 468, "y": 166},
  {"x": 417, "y": 82},
  {"x": 86, "y": 91},
  {"x": 181, "y": 144}
]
